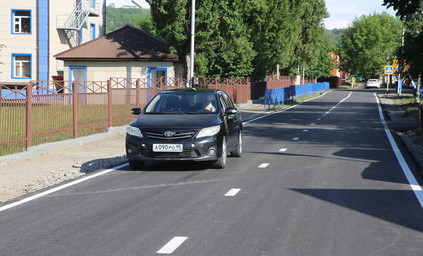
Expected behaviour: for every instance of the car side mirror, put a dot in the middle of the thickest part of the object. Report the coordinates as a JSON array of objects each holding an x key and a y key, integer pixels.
[
  {"x": 136, "y": 111},
  {"x": 231, "y": 111}
]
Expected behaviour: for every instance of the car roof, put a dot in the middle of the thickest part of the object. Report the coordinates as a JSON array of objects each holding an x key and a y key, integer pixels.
[{"x": 194, "y": 90}]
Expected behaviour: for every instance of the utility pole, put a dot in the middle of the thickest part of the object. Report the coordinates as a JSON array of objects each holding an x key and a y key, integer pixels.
[{"x": 191, "y": 76}]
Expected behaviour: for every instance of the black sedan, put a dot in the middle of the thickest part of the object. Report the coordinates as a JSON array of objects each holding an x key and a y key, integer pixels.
[{"x": 185, "y": 124}]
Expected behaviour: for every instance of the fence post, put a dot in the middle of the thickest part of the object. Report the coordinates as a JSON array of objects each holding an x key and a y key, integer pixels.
[
  {"x": 75, "y": 109},
  {"x": 28, "y": 116},
  {"x": 137, "y": 93},
  {"x": 109, "y": 103}
]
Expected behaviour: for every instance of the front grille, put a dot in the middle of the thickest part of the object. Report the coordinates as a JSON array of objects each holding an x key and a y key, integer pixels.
[{"x": 178, "y": 135}]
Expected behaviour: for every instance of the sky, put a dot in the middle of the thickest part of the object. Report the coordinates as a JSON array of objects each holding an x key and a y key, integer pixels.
[{"x": 342, "y": 12}]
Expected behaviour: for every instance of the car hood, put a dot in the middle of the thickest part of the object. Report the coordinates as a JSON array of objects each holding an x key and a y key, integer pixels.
[{"x": 147, "y": 121}]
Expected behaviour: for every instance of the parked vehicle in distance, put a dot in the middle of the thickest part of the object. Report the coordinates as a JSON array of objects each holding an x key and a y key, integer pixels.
[
  {"x": 185, "y": 124},
  {"x": 372, "y": 83}
]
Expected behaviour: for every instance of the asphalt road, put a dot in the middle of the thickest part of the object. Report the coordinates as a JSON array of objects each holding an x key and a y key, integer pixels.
[{"x": 317, "y": 179}]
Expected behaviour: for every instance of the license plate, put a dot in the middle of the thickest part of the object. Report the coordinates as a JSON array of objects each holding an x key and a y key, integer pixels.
[{"x": 167, "y": 148}]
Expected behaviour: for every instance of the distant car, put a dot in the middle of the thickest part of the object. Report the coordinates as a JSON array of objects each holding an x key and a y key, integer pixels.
[
  {"x": 373, "y": 83},
  {"x": 185, "y": 124}
]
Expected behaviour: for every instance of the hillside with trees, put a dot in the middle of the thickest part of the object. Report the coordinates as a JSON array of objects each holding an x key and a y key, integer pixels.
[
  {"x": 334, "y": 37},
  {"x": 117, "y": 18}
]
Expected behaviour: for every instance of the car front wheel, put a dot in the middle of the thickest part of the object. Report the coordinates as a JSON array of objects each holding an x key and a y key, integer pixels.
[
  {"x": 220, "y": 163},
  {"x": 238, "y": 151}
]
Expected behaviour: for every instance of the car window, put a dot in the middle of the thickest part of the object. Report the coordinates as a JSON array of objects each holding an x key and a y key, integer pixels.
[
  {"x": 228, "y": 101},
  {"x": 182, "y": 103}
]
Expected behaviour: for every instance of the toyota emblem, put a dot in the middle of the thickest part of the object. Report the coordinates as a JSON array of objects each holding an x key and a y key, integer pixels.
[{"x": 168, "y": 133}]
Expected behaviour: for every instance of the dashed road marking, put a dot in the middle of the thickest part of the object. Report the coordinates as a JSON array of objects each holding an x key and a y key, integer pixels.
[
  {"x": 172, "y": 245},
  {"x": 263, "y": 165},
  {"x": 283, "y": 149},
  {"x": 233, "y": 192},
  {"x": 296, "y": 138}
]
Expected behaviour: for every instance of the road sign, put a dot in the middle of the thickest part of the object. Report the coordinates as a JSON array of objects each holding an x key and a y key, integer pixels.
[{"x": 389, "y": 70}]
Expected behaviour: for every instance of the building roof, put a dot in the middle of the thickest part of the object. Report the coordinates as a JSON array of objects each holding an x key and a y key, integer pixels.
[{"x": 127, "y": 43}]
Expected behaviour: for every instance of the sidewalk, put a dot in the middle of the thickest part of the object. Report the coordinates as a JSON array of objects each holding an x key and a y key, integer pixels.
[{"x": 49, "y": 164}]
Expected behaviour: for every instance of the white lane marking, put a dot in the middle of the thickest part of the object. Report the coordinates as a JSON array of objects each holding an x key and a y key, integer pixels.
[
  {"x": 312, "y": 124},
  {"x": 415, "y": 186},
  {"x": 337, "y": 104},
  {"x": 296, "y": 138},
  {"x": 283, "y": 149},
  {"x": 233, "y": 192},
  {"x": 263, "y": 165},
  {"x": 305, "y": 130},
  {"x": 28, "y": 199},
  {"x": 318, "y": 119},
  {"x": 172, "y": 245},
  {"x": 285, "y": 109}
]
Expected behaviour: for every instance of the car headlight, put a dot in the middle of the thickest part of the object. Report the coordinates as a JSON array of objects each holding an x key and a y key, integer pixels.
[
  {"x": 208, "y": 131},
  {"x": 134, "y": 131}
]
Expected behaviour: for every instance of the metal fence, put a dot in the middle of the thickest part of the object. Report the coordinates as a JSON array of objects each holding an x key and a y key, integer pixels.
[
  {"x": 48, "y": 111},
  {"x": 278, "y": 96}
]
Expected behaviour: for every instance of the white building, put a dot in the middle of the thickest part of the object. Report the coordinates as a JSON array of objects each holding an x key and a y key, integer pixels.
[{"x": 32, "y": 31}]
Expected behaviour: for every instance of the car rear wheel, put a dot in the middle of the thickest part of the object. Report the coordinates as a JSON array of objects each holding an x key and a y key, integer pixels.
[
  {"x": 220, "y": 163},
  {"x": 136, "y": 165},
  {"x": 238, "y": 151}
]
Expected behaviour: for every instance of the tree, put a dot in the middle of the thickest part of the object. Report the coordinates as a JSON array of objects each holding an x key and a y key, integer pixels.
[
  {"x": 370, "y": 43},
  {"x": 223, "y": 44},
  {"x": 240, "y": 38},
  {"x": 412, "y": 51},
  {"x": 313, "y": 47},
  {"x": 288, "y": 34},
  {"x": 146, "y": 24},
  {"x": 403, "y": 8}
]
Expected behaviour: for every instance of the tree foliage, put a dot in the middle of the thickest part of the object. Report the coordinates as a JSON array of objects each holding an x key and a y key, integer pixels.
[
  {"x": 370, "y": 43},
  {"x": 403, "y": 8},
  {"x": 241, "y": 38}
]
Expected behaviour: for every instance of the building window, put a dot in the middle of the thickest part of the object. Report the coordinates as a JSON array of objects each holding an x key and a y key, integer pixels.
[
  {"x": 92, "y": 3},
  {"x": 92, "y": 31},
  {"x": 21, "y": 21},
  {"x": 21, "y": 65}
]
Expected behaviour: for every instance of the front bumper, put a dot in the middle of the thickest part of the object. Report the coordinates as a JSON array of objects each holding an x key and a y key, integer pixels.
[{"x": 204, "y": 149}]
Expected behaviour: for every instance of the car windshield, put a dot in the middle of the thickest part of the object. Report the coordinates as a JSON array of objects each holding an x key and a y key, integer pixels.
[{"x": 177, "y": 102}]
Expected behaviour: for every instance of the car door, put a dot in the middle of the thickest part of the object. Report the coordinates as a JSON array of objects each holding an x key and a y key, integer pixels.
[{"x": 233, "y": 122}]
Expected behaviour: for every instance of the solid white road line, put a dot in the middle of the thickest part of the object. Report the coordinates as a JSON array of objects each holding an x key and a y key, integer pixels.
[
  {"x": 285, "y": 109},
  {"x": 172, "y": 245},
  {"x": 415, "y": 186},
  {"x": 39, "y": 195},
  {"x": 263, "y": 165},
  {"x": 233, "y": 192}
]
